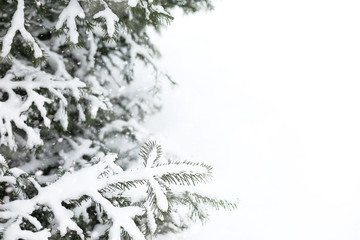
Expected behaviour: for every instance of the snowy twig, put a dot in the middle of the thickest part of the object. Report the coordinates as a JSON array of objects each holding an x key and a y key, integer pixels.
[
  {"x": 110, "y": 19},
  {"x": 17, "y": 24},
  {"x": 13, "y": 109},
  {"x": 68, "y": 15},
  {"x": 90, "y": 181}
]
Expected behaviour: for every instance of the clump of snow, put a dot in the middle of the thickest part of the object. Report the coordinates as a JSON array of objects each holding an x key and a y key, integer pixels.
[
  {"x": 110, "y": 19},
  {"x": 13, "y": 109},
  {"x": 161, "y": 199},
  {"x": 133, "y": 3},
  {"x": 68, "y": 15},
  {"x": 17, "y": 24}
]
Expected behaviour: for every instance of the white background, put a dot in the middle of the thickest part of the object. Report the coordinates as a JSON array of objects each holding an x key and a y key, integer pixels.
[{"x": 270, "y": 95}]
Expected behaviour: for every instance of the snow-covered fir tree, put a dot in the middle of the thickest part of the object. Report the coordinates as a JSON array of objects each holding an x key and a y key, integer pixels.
[{"x": 75, "y": 161}]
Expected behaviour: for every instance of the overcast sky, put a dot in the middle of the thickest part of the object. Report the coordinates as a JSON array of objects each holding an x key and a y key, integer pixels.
[{"x": 270, "y": 95}]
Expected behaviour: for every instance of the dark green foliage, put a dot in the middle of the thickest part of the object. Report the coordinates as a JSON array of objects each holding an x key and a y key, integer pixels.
[{"x": 147, "y": 149}]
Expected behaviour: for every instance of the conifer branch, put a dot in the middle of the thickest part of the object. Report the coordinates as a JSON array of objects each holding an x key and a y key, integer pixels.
[
  {"x": 17, "y": 24},
  {"x": 21, "y": 96},
  {"x": 93, "y": 183},
  {"x": 69, "y": 99}
]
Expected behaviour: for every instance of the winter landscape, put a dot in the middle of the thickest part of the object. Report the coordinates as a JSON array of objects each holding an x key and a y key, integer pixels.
[{"x": 179, "y": 120}]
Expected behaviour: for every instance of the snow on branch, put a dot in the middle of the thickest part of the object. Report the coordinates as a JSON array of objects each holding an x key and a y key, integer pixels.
[
  {"x": 14, "y": 104},
  {"x": 17, "y": 24},
  {"x": 133, "y": 3},
  {"x": 68, "y": 15},
  {"x": 110, "y": 19},
  {"x": 3, "y": 165},
  {"x": 67, "y": 18},
  {"x": 98, "y": 183}
]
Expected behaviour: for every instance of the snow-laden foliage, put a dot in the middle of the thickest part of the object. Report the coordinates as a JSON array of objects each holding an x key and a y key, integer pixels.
[
  {"x": 106, "y": 184},
  {"x": 20, "y": 88},
  {"x": 72, "y": 104}
]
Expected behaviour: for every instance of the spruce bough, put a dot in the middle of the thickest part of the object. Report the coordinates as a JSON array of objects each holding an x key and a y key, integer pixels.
[{"x": 71, "y": 108}]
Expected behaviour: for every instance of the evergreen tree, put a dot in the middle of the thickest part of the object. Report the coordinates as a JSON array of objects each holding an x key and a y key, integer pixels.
[{"x": 71, "y": 110}]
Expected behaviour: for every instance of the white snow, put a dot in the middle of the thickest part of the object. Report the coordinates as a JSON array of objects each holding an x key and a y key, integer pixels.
[
  {"x": 14, "y": 232},
  {"x": 110, "y": 19},
  {"x": 17, "y": 24},
  {"x": 14, "y": 107},
  {"x": 8, "y": 179},
  {"x": 68, "y": 16},
  {"x": 150, "y": 218},
  {"x": 161, "y": 200},
  {"x": 153, "y": 155},
  {"x": 88, "y": 181},
  {"x": 133, "y": 3}
]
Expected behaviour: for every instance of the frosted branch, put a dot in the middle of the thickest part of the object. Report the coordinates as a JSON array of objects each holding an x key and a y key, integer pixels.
[
  {"x": 91, "y": 181},
  {"x": 14, "y": 108},
  {"x": 68, "y": 16},
  {"x": 110, "y": 19},
  {"x": 14, "y": 232},
  {"x": 17, "y": 24}
]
